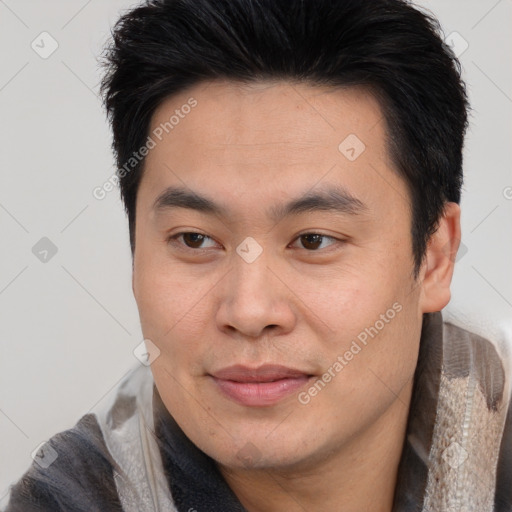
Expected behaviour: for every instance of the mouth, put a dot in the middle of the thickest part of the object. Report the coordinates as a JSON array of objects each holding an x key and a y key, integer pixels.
[{"x": 259, "y": 387}]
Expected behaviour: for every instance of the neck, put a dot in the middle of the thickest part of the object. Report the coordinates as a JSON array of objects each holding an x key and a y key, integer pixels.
[{"x": 360, "y": 475}]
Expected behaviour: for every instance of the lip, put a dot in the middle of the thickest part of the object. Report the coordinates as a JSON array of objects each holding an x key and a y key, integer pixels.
[{"x": 259, "y": 387}]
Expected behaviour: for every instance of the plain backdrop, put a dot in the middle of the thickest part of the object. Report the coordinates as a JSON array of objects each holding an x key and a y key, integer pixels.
[{"x": 69, "y": 323}]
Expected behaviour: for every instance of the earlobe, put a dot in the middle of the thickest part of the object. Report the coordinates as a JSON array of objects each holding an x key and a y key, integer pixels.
[{"x": 438, "y": 266}]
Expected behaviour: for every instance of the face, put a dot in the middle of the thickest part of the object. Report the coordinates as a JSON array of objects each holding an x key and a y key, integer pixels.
[{"x": 273, "y": 270}]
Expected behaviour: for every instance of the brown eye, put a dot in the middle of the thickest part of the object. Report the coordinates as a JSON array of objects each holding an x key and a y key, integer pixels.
[
  {"x": 193, "y": 240},
  {"x": 312, "y": 241},
  {"x": 315, "y": 241}
]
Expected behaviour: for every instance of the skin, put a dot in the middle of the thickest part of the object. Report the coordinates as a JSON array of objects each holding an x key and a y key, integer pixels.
[{"x": 250, "y": 147}]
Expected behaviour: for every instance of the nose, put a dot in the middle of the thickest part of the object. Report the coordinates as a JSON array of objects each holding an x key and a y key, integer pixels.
[{"x": 255, "y": 300}]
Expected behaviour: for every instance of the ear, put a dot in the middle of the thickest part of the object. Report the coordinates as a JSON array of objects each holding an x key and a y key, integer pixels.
[{"x": 437, "y": 269}]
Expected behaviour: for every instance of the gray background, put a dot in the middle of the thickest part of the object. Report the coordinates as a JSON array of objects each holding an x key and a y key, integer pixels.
[{"x": 69, "y": 323}]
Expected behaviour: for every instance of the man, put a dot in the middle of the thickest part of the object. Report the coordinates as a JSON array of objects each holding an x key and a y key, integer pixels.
[{"x": 291, "y": 173}]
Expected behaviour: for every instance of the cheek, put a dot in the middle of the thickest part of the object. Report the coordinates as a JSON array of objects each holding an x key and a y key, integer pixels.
[
  {"x": 379, "y": 315},
  {"x": 164, "y": 294},
  {"x": 349, "y": 301},
  {"x": 377, "y": 358},
  {"x": 173, "y": 313}
]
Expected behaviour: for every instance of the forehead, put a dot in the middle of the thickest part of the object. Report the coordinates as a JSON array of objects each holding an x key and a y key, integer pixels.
[
  {"x": 287, "y": 116},
  {"x": 267, "y": 137}
]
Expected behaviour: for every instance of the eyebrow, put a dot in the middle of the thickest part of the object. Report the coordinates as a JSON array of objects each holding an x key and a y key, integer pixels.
[{"x": 330, "y": 198}]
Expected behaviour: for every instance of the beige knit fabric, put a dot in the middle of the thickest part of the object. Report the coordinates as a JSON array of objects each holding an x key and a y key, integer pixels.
[{"x": 469, "y": 425}]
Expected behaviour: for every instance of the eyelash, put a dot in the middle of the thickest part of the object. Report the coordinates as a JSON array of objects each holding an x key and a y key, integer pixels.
[{"x": 173, "y": 240}]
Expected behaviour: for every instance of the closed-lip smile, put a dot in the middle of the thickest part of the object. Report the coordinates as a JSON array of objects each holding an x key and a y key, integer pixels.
[{"x": 261, "y": 386}]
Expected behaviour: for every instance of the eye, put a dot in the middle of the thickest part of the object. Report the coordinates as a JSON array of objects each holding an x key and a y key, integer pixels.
[
  {"x": 191, "y": 240},
  {"x": 315, "y": 241},
  {"x": 312, "y": 242}
]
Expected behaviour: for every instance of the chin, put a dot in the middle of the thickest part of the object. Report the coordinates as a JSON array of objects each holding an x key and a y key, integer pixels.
[{"x": 255, "y": 450}]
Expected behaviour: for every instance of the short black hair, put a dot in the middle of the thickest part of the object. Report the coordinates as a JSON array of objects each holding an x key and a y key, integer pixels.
[{"x": 163, "y": 47}]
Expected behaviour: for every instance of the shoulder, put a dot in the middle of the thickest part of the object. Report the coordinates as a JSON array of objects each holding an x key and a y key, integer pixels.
[{"x": 72, "y": 471}]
